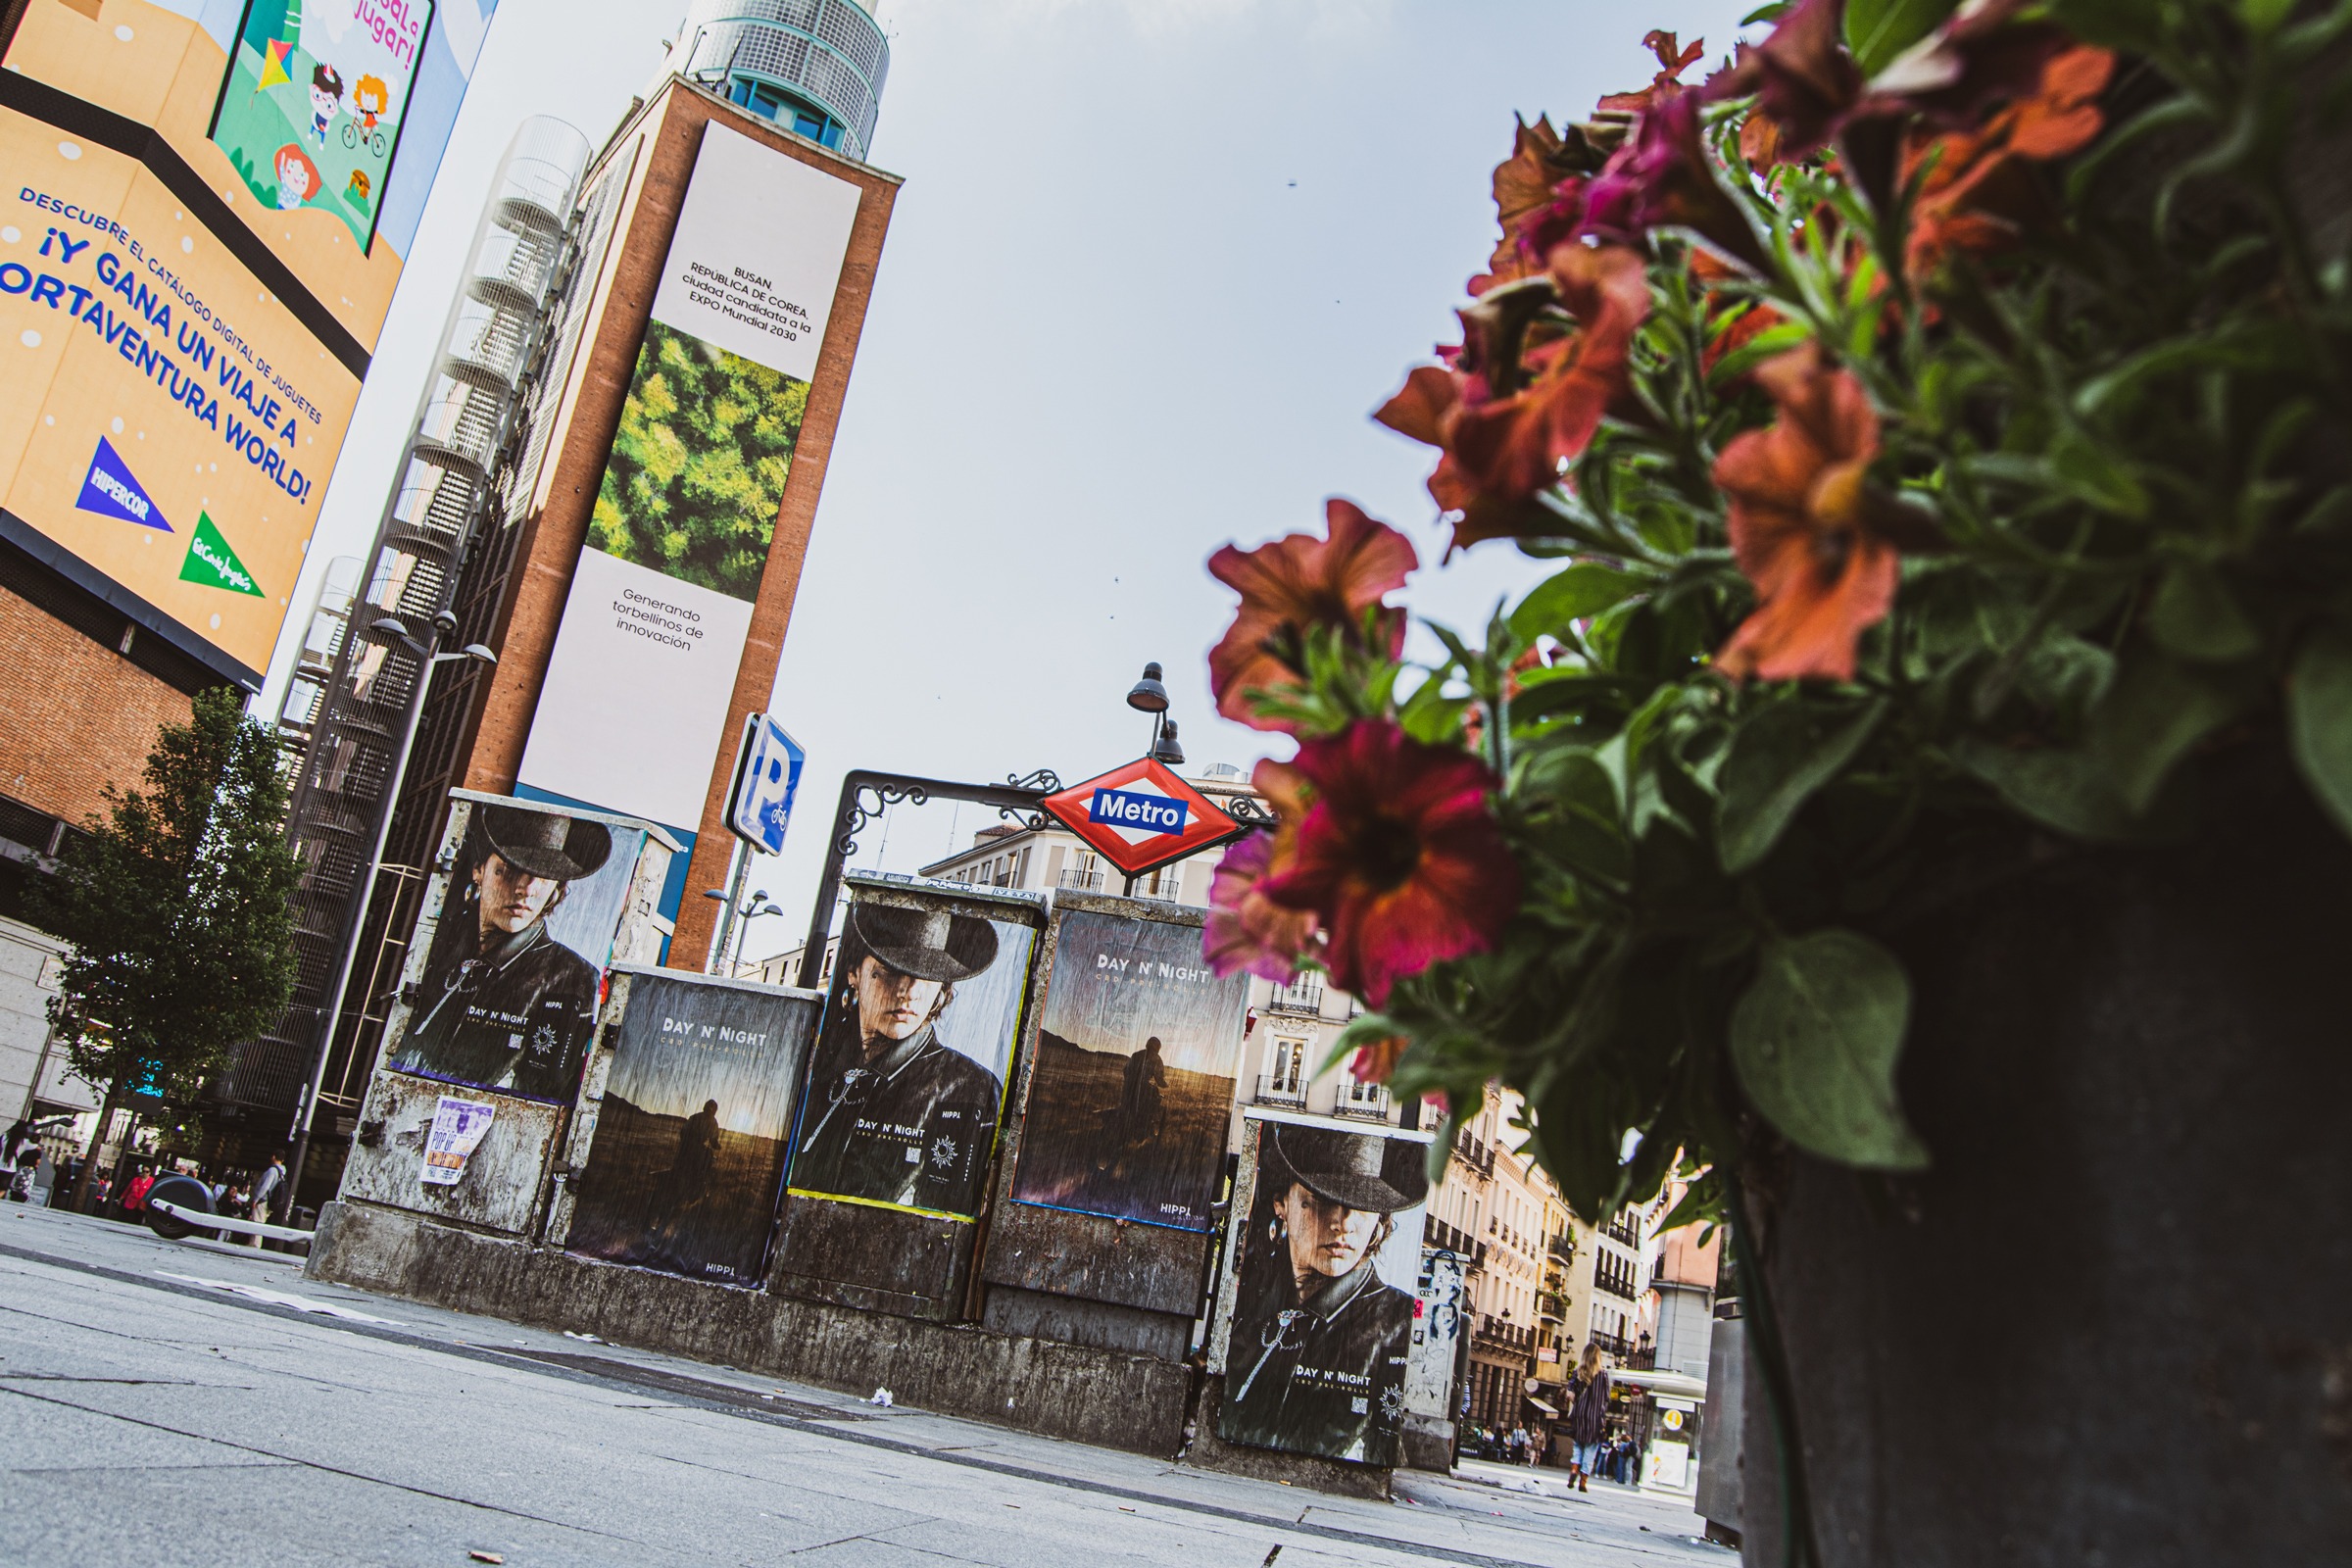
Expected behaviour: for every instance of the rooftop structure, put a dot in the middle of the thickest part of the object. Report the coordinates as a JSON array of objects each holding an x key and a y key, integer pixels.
[{"x": 813, "y": 66}]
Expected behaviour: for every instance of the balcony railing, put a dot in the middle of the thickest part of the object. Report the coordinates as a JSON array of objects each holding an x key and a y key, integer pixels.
[
  {"x": 1275, "y": 1089},
  {"x": 1612, "y": 1285},
  {"x": 1365, "y": 1103},
  {"x": 1514, "y": 1337},
  {"x": 1304, "y": 996},
  {"x": 1475, "y": 1152},
  {"x": 1081, "y": 881}
]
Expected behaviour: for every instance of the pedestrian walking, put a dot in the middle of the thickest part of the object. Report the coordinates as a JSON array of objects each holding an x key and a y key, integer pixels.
[
  {"x": 1589, "y": 1416},
  {"x": 134, "y": 1194},
  {"x": 268, "y": 1192}
]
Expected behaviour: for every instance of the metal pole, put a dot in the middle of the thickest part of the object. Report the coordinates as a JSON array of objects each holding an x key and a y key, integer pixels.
[
  {"x": 739, "y": 867},
  {"x": 358, "y": 926}
]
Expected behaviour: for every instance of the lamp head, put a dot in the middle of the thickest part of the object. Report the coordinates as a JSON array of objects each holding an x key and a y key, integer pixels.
[
  {"x": 478, "y": 653},
  {"x": 446, "y": 623},
  {"x": 389, "y": 626},
  {"x": 1149, "y": 695},
  {"x": 1167, "y": 751}
]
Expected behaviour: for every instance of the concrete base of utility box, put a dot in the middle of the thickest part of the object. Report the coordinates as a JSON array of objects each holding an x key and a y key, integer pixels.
[
  {"x": 1105, "y": 1398},
  {"x": 1208, "y": 1452}
]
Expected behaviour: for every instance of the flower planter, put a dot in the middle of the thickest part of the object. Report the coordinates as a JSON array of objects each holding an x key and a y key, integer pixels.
[{"x": 2113, "y": 1324}]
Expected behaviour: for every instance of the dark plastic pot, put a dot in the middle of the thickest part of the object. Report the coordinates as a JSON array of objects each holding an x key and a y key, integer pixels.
[{"x": 2113, "y": 1325}]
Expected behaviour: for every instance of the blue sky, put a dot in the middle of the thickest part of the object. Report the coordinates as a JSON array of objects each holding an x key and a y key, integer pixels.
[{"x": 1153, "y": 265}]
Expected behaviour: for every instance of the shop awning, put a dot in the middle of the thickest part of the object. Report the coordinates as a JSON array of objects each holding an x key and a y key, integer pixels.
[
  {"x": 1541, "y": 1405},
  {"x": 1673, "y": 1385}
]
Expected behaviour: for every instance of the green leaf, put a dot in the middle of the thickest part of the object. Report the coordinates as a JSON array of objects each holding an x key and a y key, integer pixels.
[
  {"x": 1878, "y": 31},
  {"x": 2319, "y": 719},
  {"x": 2096, "y": 477},
  {"x": 1815, "y": 1040},
  {"x": 1776, "y": 760},
  {"x": 2264, "y": 16},
  {"x": 1579, "y": 593},
  {"x": 2060, "y": 788},
  {"x": 2195, "y": 617},
  {"x": 1757, "y": 350},
  {"x": 2153, "y": 714}
]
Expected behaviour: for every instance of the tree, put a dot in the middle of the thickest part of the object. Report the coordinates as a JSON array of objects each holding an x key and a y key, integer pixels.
[{"x": 176, "y": 908}]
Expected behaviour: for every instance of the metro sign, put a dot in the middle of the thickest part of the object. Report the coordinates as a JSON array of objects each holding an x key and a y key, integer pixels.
[{"x": 1141, "y": 817}]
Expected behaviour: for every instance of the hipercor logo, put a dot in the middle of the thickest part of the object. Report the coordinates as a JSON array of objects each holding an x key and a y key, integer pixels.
[
  {"x": 1153, "y": 814},
  {"x": 111, "y": 491}
]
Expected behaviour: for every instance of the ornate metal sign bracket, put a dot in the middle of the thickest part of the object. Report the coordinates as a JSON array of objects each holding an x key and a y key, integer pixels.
[{"x": 1015, "y": 800}]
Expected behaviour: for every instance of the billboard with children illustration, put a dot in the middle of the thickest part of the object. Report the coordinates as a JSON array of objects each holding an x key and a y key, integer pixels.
[
  {"x": 310, "y": 110},
  {"x": 212, "y": 200}
]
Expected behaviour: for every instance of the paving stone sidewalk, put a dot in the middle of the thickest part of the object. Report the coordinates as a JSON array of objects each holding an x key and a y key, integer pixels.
[{"x": 199, "y": 1404}]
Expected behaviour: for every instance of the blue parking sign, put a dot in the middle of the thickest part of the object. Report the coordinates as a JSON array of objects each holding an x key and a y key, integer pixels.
[{"x": 767, "y": 774}]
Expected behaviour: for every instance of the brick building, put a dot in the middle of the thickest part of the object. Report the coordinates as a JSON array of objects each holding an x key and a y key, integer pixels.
[{"x": 499, "y": 563}]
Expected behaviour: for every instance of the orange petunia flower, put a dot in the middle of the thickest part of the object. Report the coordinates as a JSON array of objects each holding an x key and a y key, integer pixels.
[
  {"x": 1975, "y": 195},
  {"x": 1503, "y": 447},
  {"x": 1299, "y": 582},
  {"x": 1802, "y": 526},
  {"x": 1376, "y": 1062}
]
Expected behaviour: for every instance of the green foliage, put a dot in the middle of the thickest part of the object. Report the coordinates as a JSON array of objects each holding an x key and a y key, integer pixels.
[
  {"x": 1878, "y": 31},
  {"x": 2320, "y": 719},
  {"x": 2112, "y": 449},
  {"x": 1815, "y": 1040},
  {"x": 175, "y": 904},
  {"x": 698, "y": 464}
]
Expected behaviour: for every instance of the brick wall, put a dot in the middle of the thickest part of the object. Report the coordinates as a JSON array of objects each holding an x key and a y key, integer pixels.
[{"x": 74, "y": 714}]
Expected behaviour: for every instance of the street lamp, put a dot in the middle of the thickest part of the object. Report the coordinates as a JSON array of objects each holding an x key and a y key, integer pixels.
[
  {"x": 445, "y": 625},
  {"x": 738, "y": 922},
  {"x": 1150, "y": 696}
]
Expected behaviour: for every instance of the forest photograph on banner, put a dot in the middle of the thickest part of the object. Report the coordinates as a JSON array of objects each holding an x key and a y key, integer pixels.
[
  {"x": 1137, "y": 1047},
  {"x": 511, "y": 979},
  {"x": 1319, "y": 1288},
  {"x": 689, "y": 1152},
  {"x": 908, "y": 1081}
]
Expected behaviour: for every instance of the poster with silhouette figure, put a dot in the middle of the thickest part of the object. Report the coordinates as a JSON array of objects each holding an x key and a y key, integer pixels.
[
  {"x": 688, "y": 1162},
  {"x": 1137, "y": 1048}
]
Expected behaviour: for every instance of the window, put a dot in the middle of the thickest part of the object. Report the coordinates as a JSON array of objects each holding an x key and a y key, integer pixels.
[{"x": 1289, "y": 1071}]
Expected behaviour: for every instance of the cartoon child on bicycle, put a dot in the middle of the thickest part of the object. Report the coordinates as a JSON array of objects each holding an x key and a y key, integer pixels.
[
  {"x": 326, "y": 100},
  {"x": 370, "y": 99}
]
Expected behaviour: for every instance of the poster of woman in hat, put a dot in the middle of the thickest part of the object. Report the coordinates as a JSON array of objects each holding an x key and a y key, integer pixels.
[
  {"x": 1323, "y": 1299},
  {"x": 908, "y": 1077},
  {"x": 509, "y": 996}
]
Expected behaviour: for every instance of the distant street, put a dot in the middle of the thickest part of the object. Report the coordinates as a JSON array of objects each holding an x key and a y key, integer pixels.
[{"x": 194, "y": 1404}]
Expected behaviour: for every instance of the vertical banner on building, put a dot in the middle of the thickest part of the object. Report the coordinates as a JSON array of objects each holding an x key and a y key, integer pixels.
[
  {"x": 1315, "y": 1306},
  {"x": 1132, "y": 1089},
  {"x": 634, "y": 707},
  {"x": 196, "y": 257},
  {"x": 908, "y": 1082},
  {"x": 688, "y": 1162}
]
